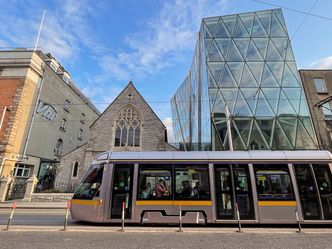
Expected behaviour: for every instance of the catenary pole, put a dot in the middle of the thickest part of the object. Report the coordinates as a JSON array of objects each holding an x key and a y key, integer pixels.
[
  {"x": 39, "y": 31},
  {"x": 39, "y": 91},
  {"x": 229, "y": 131}
]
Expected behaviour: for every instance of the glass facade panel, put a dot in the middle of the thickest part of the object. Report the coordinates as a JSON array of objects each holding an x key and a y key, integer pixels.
[{"x": 244, "y": 61}]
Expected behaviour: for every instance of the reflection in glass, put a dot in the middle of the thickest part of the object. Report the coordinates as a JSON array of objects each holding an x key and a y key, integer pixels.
[
  {"x": 308, "y": 192},
  {"x": 323, "y": 178},
  {"x": 224, "y": 194},
  {"x": 273, "y": 182}
]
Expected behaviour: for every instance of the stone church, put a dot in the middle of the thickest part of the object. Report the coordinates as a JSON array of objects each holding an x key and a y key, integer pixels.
[{"x": 127, "y": 124}]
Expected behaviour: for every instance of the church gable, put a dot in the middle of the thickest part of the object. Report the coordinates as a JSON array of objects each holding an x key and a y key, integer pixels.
[{"x": 128, "y": 123}]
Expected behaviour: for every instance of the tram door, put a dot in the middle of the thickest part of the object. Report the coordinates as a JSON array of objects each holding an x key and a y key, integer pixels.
[
  {"x": 122, "y": 190},
  {"x": 233, "y": 181},
  {"x": 314, "y": 184}
]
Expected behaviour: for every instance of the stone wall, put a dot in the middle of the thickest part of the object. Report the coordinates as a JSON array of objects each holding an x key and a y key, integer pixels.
[
  {"x": 18, "y": 187},
  {"x": 153, "y": 130},
  {"x": 64, "y": 180},
  {"x": 51, "y": 197}
]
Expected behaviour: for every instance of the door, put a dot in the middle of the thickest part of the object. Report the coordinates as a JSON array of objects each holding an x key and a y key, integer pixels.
[
  {"x": 307, "y": 188},
  {"x": 243, "y": 192},
  {"x": 233, "y": 181},
  {"x": 122, "y": 190},
  {"x": 323, "y": 178}
]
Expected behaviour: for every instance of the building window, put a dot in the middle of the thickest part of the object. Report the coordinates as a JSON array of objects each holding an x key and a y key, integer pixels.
[
  {"x": 83, "y": 118},
  {"x": 58, "y": 148},
  {"x": 75, "y": 169},
  {"x": 66, "y": 105},
  {"x": 63, "y": 125},
  {"x": 326, "y": 108},
  {"x": 320, "y": 85},
  {"x": 53, "y": 66},
  {"x": 128, "y": 128},
  {"x": 22, "y": 170},
  {"x": 80, "y": 134},
  {"x": 65, "y": 79}
]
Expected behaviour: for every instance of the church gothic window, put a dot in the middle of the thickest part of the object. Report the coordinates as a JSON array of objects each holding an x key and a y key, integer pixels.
[{"x": 128, "y": 127}]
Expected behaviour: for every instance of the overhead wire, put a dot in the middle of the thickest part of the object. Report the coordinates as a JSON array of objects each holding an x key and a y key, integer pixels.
[{"x": 294, "y": 10}]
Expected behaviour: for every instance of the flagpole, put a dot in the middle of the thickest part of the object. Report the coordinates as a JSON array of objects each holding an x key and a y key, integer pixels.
[{"x": 40, "y": 28}]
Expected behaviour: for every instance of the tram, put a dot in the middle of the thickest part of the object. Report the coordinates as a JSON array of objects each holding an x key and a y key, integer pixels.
[{"x": 207, "y": 187}]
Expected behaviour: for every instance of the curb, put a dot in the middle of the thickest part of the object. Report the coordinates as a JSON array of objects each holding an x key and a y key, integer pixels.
[
  {"x": 19, "y": 228},
  {"x": 35, "y": 207}
]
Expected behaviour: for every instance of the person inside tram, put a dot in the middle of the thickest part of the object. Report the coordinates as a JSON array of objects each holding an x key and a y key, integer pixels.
[
  {"x": 122, "y": 182},
  {"x": 260, "y": 187},
  {"x": 197, "y": 190},
  {"x": 276, "y": 186},
  {"x": 186, "y": 190},
  {"x": 161, "y": 189},
  {"x": 147, "y": 191},
  {"x": 324, "y": 186}
]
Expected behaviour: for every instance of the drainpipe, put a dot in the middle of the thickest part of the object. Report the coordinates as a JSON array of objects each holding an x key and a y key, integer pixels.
[
  {"x": 33, "y": 117},
  {"x": 3, "y": 116}
]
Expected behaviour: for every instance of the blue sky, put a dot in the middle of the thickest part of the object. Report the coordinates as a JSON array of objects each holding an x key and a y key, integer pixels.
[{"x": 103, "y": 44}]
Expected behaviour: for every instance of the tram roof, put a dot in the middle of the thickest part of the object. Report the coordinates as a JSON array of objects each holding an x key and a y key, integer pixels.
[{"x": 308, "y": 155}]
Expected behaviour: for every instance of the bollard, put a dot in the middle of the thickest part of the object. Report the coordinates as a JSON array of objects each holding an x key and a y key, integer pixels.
[
  {"x": 180, "y": 219},
  {"x": 11, "y": 215},
  {"x": 66, "y": 217},
  {"x": 238, "y": 217},
  {"x": 123, "y": 216},
  {"x": 197, "y": 218},
  {"x": 298, "y": 221}
]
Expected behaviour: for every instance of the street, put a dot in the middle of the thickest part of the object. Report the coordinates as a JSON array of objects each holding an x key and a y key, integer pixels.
[
  {"x": 50, "y": 217},
  {"x": 50, "y": 240}
]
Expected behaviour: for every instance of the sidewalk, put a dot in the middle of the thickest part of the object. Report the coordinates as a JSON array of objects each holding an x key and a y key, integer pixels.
[
  {"x": 142, "y": 229},
  {"x": 33, "y": 205}
]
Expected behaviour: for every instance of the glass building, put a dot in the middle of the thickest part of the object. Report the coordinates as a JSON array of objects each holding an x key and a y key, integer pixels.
[{"x": 244, "y": 62}]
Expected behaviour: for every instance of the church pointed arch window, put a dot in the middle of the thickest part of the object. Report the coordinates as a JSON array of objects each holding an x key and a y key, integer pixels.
[{"x": 128, "y": 127}]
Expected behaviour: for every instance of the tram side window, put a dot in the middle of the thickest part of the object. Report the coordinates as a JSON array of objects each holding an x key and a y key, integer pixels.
[
  {"x": 192, "y": 182},
  {"x": 322, "y": 173},
  {"x": 273, "y": 182},
  {"x": 90, "y": 184},
  {"x": 155, "y": 182}
]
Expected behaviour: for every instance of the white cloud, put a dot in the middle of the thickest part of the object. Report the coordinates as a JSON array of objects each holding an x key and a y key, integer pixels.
[
  {"x": 165, "y": 39},
  {"x": 65, "y": 30},
  {"x": 169, "y": 126},
  {"x": 324, "y": 63}
]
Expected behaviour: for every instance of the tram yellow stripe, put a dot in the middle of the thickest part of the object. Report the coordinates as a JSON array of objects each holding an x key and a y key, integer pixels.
[
  {"x": 193, "y": 203},
  {"x": 87, "y": 202},
  {"x": 143, "y": 203},
  {"x": 176, "y": 203},
  {"x": 276, "y": 203}
]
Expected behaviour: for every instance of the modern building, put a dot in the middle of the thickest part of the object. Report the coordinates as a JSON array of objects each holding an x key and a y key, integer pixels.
[
  {"x": 317, "y": 85},
  {"x": 127, "y": 124},
  {"x": 243, "y": 71},
  {"x": 44, "y": 115}
]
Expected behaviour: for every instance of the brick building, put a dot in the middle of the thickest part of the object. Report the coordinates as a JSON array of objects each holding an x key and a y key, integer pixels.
[
  {"x": 127, "y": 124},
  {"x": 317, "y": 85},
  {"x": 42, "y": 116}
]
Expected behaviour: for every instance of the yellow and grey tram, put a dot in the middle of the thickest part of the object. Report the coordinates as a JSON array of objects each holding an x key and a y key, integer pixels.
[{"x": 206, "y": 187}]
